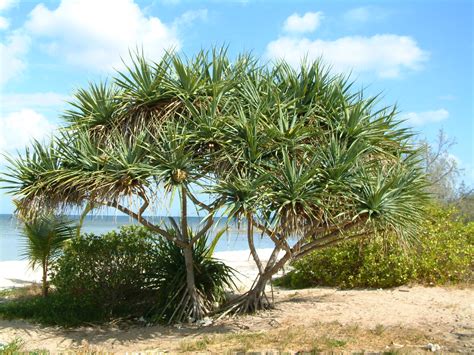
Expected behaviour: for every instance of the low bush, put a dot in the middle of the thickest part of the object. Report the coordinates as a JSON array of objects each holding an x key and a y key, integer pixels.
[
  {"x": 113, "y": 272},
  {"x": 56, "y": 309},
  {"x": 128, "y": 273},
  {"x": 443, "y": 254}
]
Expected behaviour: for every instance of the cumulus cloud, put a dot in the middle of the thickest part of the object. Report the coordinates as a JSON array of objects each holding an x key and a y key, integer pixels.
[
  {"x": 309, "y": 22},
  {"x": 38, "y": 100},
  {"x": 447, "y": 97},
  {"x": 96, "y": 34},
  {"x": 422, "y": 118},
  {"x": 6, "y": 4},
  {"x": 188, "y": 17},
  {"x": 364, "y": 14},
  {"x": 18, "y": 128},
  {"x": 386, "y": 55},
  {"x": 4, "y": 23},
  {"x": 12, "y": 52}
]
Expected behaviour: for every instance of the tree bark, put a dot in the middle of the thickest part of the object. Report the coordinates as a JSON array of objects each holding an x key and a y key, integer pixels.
[
  {"x": 44, "y": 286},
  {"x": 255, "y": 256},
  {"x": 255, "y": 299},
  {"x": 196, "y": 312}
]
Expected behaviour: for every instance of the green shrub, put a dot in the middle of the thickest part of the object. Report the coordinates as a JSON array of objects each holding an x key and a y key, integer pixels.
[
  {"x": 56, "y": 309},
  {"x": 113, "y": 273},
  {"x": 129, "y": 273},
  {"x": 443, "y": 254}
]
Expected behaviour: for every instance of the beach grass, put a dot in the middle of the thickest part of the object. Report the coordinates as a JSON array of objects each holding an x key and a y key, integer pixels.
[{"x": 319, "y": 337}]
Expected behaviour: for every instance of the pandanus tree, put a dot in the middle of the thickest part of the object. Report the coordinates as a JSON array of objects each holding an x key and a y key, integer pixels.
[
  {"x": 321, "y": 165},
  {"x": 130, "y": 142},
  {"x": 298, "y": 154}
]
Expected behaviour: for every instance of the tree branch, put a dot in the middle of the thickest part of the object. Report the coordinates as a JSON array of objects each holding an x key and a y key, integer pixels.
[
  {"x": 255, "y": 256},
  {"x": 300, "y": 247},
  {"x": 328, "y": 243},
  {"x": 144, "y": 222},
  {"x": 273, "y": 258},
  {"x": 143, "y": 207},
  {"x": 279, "y": 241},
  {"x": 208, "y": 225},
  {"x": 199, "y": 203}
]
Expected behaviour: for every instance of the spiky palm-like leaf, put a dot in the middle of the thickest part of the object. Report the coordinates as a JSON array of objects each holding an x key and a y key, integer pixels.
[{"x": 45, "y": 237}]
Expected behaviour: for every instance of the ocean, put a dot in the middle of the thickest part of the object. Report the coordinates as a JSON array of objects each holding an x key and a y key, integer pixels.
[{"x": 12, "y": 241}]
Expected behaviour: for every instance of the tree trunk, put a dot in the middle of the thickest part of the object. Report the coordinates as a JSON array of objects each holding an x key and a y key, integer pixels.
[
  {"x": 195, "y": 307},
  {"x": 256, "y": 299},
  {"x": 44, "y": 286},
  {"x": 253, "y": 251}
]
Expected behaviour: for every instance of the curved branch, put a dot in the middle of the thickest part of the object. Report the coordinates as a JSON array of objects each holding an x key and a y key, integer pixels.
[
  {"x": 207, "y": 226},
  {"x": 198, "y": 203},
  {"x": 143, "y": 208},
  {"x": 254, "y": 253},
  {"x": 144, "y": 222},
  {"x": 276, "y": 238},
  {"x": 300, "y": 247},
  {"x": 328, "y": 243},
  {"x": 272, "y": 259},
  {"x": 176, "y": 226}
]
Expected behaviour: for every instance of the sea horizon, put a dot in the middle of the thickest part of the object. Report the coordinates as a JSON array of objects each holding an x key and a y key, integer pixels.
[{"x": 12, "y": 241}]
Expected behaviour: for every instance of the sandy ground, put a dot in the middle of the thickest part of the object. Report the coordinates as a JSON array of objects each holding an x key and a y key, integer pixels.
[
  {"x": 406, "y": 318},
  {"x": 18, "y": 273}
]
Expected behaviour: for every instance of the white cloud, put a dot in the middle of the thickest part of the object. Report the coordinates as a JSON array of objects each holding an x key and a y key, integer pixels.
[
  {"x": 12, "y": 52},
  {"x": 18, "y": 128},
  {"x": 96, "y": 34},
  {"x": 365, "y": 14},
  {"x": 6, "y": 4},
  {"x": 4, "y": 23},
  {"x": 13, "y": 102},
  {"x": 170, "y": 2},
  {"x": 309, "y": 22},
  {"x": 189, "y": 17},
  {"x": 421, "y": 118},
  {"x": 386, "y": 55},
  {"x": 447, "y": 97}
]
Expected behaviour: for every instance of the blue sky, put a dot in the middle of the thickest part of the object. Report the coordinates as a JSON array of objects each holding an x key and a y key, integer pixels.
[{"x": 419, "y": 54}]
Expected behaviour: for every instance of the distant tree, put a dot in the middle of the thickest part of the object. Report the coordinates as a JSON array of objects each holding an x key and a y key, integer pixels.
[
  {"x": 441, "y": 167},
  {"x": 444, "y": 175},
  {"x": 464, "y": 202}
]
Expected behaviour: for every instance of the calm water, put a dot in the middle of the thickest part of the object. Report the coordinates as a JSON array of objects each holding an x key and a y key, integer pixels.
[{"x": 11, "y": 240}]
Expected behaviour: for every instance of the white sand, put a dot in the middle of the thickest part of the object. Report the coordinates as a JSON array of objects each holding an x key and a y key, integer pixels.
[{"x": 18, "y": 274}]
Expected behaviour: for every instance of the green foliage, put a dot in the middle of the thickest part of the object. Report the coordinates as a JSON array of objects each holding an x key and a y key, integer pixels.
[
  {"x": 56, "y": 309},
  {"x": 12, "y": 347},
  {"x": 447, "y": 249},
  {"x": 45, "y": 238},
  {"x": 212, "y": 278},
  {"x": 298, "y": 149},
  {"x": 125, "y": 273},
  {"x": 443, "y": 255},
  {"x": 112, "y": 272}
]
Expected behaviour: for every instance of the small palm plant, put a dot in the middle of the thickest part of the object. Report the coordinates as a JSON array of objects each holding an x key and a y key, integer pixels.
[{"x": 45, "y": 237}]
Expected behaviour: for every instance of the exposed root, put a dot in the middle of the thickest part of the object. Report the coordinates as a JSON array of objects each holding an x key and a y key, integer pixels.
[
  {"x": 250, "y": 302},
  {"x": 189, "y": 309}
]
